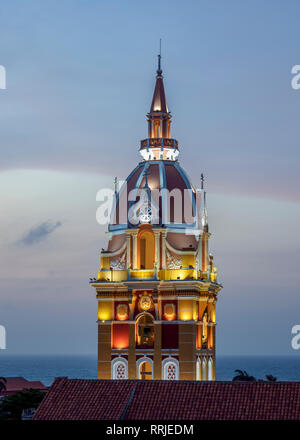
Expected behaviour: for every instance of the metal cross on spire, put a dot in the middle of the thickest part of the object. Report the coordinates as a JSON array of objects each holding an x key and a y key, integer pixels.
[
  {"x": 159, "y": 71},
  {"x": 202, "y": 181}
]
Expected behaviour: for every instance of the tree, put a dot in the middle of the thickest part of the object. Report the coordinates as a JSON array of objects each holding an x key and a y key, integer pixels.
[
  {"x": 243, "y": 376},
  {"x": 3, "y": 382},
  {"x": 271, "y": 378},
  {"x": 15, "y": 403}
]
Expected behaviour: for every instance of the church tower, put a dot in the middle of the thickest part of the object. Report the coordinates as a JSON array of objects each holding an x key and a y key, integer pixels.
[{"x": 157, "y": 285}]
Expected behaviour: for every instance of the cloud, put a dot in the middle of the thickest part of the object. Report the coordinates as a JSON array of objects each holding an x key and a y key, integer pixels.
[{"x": 39, "y": 233}]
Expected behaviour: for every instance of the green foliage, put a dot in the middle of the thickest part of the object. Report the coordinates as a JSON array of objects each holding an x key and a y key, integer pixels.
[
  {"x": 271, "y": 378},
  {"x": 243, "y": 376},
  {"x": 12, "y": 406},
  {"x": 3, "y": 382}
]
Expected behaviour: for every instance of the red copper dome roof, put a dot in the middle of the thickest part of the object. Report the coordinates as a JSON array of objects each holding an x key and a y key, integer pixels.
[{"x": 159, "y": 179}]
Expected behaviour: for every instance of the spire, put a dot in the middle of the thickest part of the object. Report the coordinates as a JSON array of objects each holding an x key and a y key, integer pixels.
[
  {"x": 204, "y": 208},
  {"x": 159, "y": 102},
  {"x": 159, "y": 145},
  {"x": 205, "y": 212},
  {"x": 159, "y": 71}
]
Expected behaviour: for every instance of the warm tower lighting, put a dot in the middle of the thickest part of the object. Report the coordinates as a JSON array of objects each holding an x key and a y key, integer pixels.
[{"x": 157, "y": 284}]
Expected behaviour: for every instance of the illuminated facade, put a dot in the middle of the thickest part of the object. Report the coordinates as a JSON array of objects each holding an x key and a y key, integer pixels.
[{"x": 157, "y": 284}]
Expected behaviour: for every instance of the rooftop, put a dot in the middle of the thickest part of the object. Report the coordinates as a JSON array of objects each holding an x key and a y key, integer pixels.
[
  {"x": 15, "y": 384},
  {"x": 92, "y": 399}
]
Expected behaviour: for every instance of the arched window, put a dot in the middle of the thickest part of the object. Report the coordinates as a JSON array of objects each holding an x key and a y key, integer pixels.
[
  {"x": 170, "y": 369},
  {"x": 145, "y": 368},
  {"x": 198, "y": 366},
  {"x": 145, "y": 331},
  {"x": 210, "y": 369},
  {"x": 119, "y": 369},
  {"x": 203, "y": 370},
  {"x": 204, "y": 331},
  {"x": 146, "y": 250}
]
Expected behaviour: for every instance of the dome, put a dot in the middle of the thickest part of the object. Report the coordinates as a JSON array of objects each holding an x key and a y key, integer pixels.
[{"x": 166, "y": 189}]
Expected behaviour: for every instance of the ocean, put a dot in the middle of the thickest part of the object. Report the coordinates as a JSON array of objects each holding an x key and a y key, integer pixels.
[{"x": 46, "y": 368}]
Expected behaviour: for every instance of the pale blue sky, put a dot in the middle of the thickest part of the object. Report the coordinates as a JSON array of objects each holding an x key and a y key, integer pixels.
[{"x": 80, "y": 76}]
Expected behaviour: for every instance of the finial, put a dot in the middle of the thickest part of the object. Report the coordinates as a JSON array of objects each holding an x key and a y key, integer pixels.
[
  {"x": 202, "y": 181},
  {"x": 116, "y": 184},
  {"x": 159, "y": 71},
  {"x": 146, "y": 174},
  {"x": 204, "y": 209}
]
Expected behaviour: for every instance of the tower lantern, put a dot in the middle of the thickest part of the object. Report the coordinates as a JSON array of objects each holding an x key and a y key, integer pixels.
[
  {"x": 157, "y": 284},
  {"x": 159, "y": 144}
]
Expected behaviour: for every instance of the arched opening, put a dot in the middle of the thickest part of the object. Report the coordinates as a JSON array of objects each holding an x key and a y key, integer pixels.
[
  {"x": 145, "y": 370},
  {"x": 198, "y": 372},
  {"x": 210, "y": 369},
  {"x": 170, "y": 369},
  {"x": 146, "y": 250},
  {"x": 204, "y": 375},
  {"x": 145, "y": 331},
  {"x": 119, "y": 369},
  {"x": 204, "y": 331}
]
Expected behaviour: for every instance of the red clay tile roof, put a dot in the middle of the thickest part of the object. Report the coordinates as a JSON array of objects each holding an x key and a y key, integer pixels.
[
  {"x": 85, "y": 399},
  {"x": 15, "y": 384},
  {"x": 80, "y": 399}
]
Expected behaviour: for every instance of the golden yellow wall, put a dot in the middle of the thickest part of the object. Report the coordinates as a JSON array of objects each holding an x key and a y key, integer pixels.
[
  {"x": 105, "y": 310},
  {"x": 188, "y": 260},
  {"x": 104, "y": 351},
  {"x": 105, "y": 263},
  {"x": 187, "y": 351},
  {"x": 186, "y": 309}
]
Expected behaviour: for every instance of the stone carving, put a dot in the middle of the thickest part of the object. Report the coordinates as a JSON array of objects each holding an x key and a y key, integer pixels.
[
  {"x": 119, "y": 262},
  {"x": 173, "y": 262}
]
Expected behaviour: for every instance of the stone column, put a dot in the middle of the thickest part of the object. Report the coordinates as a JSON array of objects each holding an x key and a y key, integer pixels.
[
  {"x": 199, "y": 254},
  {"x": 206, "y": 369},
  {"x": 157, "y": 373},
  {"x": 204, "y": 254},
  {"x": 210, "y": 343},
  {"x": 128, "y": 251},
  {"x": 200, "y": 334},
  {"x": 131, "y": 352},
  {"x": 134, "y": 249},
  {"x": 157, "y": 248},
  {"x": 164, "y": 257},
  {"x": 214, "y": 352}
]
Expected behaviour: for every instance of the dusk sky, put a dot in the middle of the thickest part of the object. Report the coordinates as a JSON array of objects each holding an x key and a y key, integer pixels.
[{"x": 80, "y": 78}]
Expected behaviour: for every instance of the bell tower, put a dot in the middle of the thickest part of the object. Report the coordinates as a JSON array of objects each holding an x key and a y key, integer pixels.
[{"x": 157, "y": 283}]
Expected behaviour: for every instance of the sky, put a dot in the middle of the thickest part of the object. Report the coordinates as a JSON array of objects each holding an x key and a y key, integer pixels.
[{"x": 80, "y": 78}]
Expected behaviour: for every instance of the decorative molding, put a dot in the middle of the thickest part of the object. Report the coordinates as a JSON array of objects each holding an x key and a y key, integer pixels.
[
  {"x": 117, "y": 252},
  {"x": 173, "y": 262},
  {"x": 119, "y": 263},
  {"x": 179, "y": 252}
]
